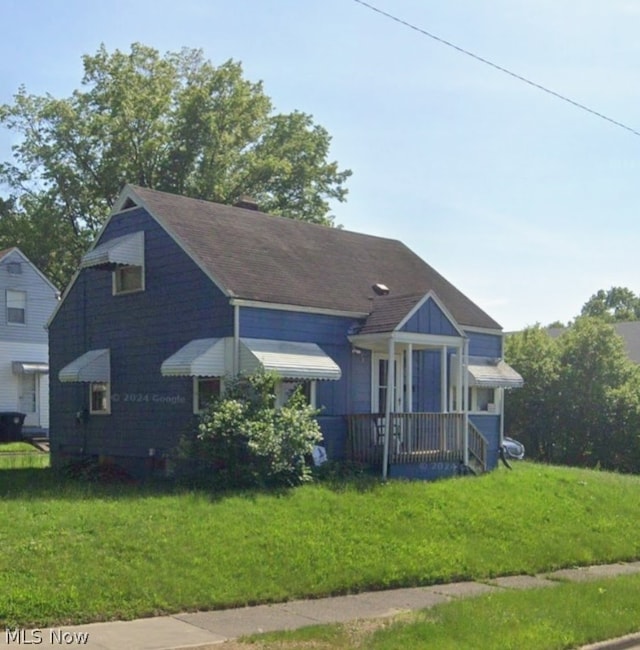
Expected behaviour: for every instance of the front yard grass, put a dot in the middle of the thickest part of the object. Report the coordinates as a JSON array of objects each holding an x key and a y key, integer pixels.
[
  {"x": 83, "y": 552},
  {"x": 553, "y": 618}
]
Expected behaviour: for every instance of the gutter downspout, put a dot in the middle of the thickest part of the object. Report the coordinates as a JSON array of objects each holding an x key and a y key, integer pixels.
[{"x": 236, "y": 340}]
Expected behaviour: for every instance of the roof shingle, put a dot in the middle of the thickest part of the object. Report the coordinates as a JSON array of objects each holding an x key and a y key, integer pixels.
[{"x": 255, "y": 256}]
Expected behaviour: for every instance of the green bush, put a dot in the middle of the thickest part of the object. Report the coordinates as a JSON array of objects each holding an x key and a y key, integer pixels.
[{"x": 243, "y": 440}]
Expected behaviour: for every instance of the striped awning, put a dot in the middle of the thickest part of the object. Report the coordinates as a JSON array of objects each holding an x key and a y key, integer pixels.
[
  {"x": 198, "y": 358},
  {"x": 289, "y": 359},
  {"x": 94, "y": 365},
  {"x": 127, "y": 250},
  {"x": 493, "y": 373}
]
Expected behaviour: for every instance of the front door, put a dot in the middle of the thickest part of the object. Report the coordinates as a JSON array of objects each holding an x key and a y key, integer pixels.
[
  {"x": 28, "y": 399},
  {"x": 380, "y": 383}
]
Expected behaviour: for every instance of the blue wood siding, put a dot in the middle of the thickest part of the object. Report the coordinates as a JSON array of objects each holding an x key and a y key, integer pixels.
[
  {"x": 485, "y": 345},
  {"x": 351, "y": 393},
  {"x": 489, "y": 427},
  {"x": 430, "y": 319},
  {"x": 179, "y": 303}
]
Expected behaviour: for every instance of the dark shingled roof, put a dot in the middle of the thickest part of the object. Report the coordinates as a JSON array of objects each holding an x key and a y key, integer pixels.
[
  {"x": 260, "y": 257},
  {"x": 388, "y": 311}
]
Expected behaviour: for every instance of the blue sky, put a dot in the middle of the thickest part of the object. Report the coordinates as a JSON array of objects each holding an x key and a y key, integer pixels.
[{"x": 524, "y": 202}]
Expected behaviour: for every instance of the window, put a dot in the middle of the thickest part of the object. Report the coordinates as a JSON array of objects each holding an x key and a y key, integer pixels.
[
  {"x": 205, "y": 389},
  {"x": 99, "y": 398},
  {"x": 14, "y": 268},
  {"x": 127, "y": 279},
  {"x": 16, "y": 307},
  {"x": 286, "y": 388},
  {"x": 481, "y": 400}
]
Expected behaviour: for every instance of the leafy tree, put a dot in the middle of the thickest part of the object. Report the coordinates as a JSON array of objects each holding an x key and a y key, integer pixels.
[
  {"x": 616, "y": 304},
  {"x": 174, "y": 122},
  {"x": 580, "y": 404},
  {"x": 531, "y": 412}
]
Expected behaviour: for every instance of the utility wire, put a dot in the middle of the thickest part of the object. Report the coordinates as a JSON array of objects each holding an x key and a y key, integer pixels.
[{"x": 424, "y": 32}]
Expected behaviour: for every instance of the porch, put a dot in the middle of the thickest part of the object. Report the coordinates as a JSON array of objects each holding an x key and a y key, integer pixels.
[{"x": 416, "y": 439}]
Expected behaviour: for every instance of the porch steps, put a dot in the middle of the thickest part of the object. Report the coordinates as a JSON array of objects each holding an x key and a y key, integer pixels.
[{"x": 41, "y": 443}]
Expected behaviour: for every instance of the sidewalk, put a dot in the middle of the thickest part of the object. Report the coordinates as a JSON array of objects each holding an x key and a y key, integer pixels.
[{"x": 203, "y": 629}]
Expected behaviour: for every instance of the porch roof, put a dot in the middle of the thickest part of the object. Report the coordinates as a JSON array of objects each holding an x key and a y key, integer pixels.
[{"x": 388, "y": 312}]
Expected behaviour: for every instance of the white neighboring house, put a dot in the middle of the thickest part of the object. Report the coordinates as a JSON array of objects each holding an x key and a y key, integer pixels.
[{"x": 27, "y": 299}]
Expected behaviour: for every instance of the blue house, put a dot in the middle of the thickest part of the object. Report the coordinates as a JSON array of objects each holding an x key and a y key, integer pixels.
[{"x": 177, "y": 293}]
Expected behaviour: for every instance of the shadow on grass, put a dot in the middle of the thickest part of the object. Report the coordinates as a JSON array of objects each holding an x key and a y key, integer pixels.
[{"x": 48, "y": 483}]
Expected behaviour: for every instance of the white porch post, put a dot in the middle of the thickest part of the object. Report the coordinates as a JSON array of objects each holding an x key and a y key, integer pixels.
[
  {"x": 389, "y": 405},
  {"x": 465, "y": 388},
  {"x": 408, "y": 405},
  {"x": 444, "y": 390}
]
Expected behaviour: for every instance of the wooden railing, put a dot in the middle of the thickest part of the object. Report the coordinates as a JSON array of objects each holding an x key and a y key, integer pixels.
[
  {"x": 477, "y": 449},
  {"x": 414, "y": 437}
]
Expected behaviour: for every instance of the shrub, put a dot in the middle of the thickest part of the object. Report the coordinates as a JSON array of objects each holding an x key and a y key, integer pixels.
[{"x": 243, "y": 440}]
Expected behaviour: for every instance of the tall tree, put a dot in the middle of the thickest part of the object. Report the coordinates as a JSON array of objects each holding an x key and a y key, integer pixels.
[
  {"x": 174, "y": 122},
  {"x": 615, "y": 304},
  {"x": 580, "y": 404}
]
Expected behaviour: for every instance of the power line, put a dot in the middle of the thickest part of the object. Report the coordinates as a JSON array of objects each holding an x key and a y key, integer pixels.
[{"x": 564, "y": 98}]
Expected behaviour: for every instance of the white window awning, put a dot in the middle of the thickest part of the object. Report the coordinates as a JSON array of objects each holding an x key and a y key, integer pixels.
[
  {"x": 92, "y": 366},
  {"x": 289, "y": 359},
  {"x": 29, "y": 367},
  {"x": 198, "y": 358},
  {"x": 493, "y": 373},
  {"x": 121, "y": 251}
]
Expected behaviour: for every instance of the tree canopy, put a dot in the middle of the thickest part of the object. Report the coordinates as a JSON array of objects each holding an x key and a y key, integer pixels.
[
  {"x": 614, "y": 305},
  {"x": 171, "y": 122},
  {"x": 580, "y": 404}
]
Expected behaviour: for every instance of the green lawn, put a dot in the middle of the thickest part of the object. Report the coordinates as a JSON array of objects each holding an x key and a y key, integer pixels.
[
  {"x": 555, "y": 618},
  {"x": 16, "y": 447},
  {"x": 74, "y": 552}
]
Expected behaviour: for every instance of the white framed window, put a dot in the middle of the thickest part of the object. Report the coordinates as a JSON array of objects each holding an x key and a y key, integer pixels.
[
  {"x": 128, "y": 279},
  {"x": 380, "y": 381},
  {"x": 286, "y": 388},
  {"x": 16, "y": 307},
  {"x": 205, "y": 390},
  {"x": 99, "y": 398},
  {"x": 481, "y": 399}
]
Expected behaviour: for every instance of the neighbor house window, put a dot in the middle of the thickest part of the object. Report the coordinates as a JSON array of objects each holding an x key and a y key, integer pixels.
[
  {"x": 286, "y": 388},
  {"x": 14, "y": 268},
  {"x": 127, "y": 279},
  {"x": 205, "y": 390},
  {"x": 99, "y": 398},
  {"x": 16, "y": 307}
]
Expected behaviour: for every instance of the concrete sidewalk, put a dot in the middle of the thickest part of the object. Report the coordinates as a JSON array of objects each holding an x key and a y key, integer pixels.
[{"x": 207, "y": 628}]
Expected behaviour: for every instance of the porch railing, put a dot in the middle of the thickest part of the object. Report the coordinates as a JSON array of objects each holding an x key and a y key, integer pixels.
[
  {"x": 414, "y": 437},
  {"x": 477, "y": 449}
]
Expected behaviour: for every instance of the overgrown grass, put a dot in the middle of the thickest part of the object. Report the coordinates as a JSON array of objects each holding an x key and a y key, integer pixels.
[
  {"x": 74, "y": 552},
  {"x": 556, "y": 618}
]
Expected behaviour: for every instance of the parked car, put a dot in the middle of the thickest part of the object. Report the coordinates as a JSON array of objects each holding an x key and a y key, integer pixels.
[{"x": 513, "y": 449}]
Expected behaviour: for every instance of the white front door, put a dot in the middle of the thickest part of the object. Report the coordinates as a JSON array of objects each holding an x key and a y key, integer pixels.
[
  {"x": 379, "y": 387},
  {"x": 28, "y": 399}
]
